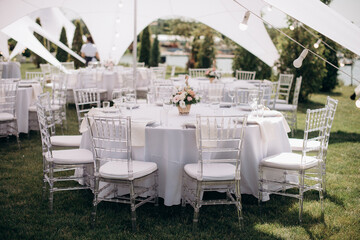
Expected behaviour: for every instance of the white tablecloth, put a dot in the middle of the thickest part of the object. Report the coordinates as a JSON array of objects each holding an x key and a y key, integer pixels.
[
  {"x": 173, "y": 146},
  {"x": 10, "y": 70}
]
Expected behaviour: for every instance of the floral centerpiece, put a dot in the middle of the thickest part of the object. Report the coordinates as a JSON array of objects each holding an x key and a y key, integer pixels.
[
  {"x": 184, "y": 97},
  {"x": 211, "y": 74}
]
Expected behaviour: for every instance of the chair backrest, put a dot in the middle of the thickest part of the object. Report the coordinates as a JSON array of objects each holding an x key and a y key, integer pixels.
[
  {"x": 35, "y": 75},
  {"x": 270, "y": 93},
  {"x": 48, "y": 114},
  {"x": 315, "y": 126},
  {"x": 59, "y": 91},
  {"x": 111, "y": 139},
  {"x": 121, "y": 92},
  {"x": 68, "y": 65},
  {"x": 297, "y": 91},
  {"x": 220, "y": 140},
  {"x": 162, "y": 65},
  {"x": 140, "y": 64},
  {"x": 85, "y": 99},
  {"x": 173, "y": 68},
  {"x": 45, "y": 68},
  {"x": 332, "y": 105},
  {"x": 245, "y": 75},
  {"x": 8, "y": 92},
  {"x": 197, "y": 72},
  {"x": 242, "y": 96},
  {"x": 163, "y": 91},
  {"x": 43, "y": 119},
  {"x": 284, "y": 86},
  {"x": 158, "y": 73},
  {"x": 211, "y": 91},
  {"x": 88, "y": 79}
]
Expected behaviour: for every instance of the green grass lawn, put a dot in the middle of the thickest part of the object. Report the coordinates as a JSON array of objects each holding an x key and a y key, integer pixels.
[{"x": 24, "y": 214}]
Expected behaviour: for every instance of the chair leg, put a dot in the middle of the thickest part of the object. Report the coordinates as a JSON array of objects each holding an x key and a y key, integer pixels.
[
  {"x": 197, "y": 206},
  {"x": 238, "y": 203},
  {"x": 156, "y": 189},
  {"x": 183, "y": 201},
  {"x": 301, "y": 195},
  {"x": 51, "y": 188},
  {"x": 133, "y": 209},
  {"x": 260, "y": 190},
  {"x": 95, "y": 200}
]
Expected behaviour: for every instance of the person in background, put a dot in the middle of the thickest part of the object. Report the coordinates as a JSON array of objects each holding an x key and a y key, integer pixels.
[{"x": 89, "y": 51}]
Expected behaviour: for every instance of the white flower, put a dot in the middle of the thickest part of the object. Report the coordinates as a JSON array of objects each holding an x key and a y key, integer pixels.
[
  {"x": 182, "y": 96},
  {"x": 197, "y": 98},
  {"x": 182, "y": 104}
]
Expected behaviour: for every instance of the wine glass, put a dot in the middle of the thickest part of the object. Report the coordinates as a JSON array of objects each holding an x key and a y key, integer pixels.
[
  {"x": 215, "y": 104},
  {"x": 253, "y": 100},
  {"x": 130, "y": 99},
  {"x": 167, "y": 105},
  {"x": 231, "y": 93}
]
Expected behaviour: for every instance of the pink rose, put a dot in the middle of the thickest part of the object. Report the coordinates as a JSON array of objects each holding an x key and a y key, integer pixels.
[{"x": 189, "y": 98}]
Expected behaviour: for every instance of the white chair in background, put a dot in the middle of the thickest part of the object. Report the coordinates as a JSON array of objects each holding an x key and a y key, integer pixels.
[
  {"x": 211, "y": 91},
  {"x": 68, "y": 65},
  {"x": 37, "y": 76},
  {"x": 164, "y": 65},
  {"x": 218, "y": 168},
  {"x": 289, "y": 165},
  {"x": 88, "y": 79},
  {"x": 158, "y": 73},
  {"x": 284, "y": 87},
  {"x": 45, "y": 68},
  {"x": 198, "y": 72},
  {"x": 85, "y": 99},
  {"x": 243, "y": 96},
  {"x": 111, "y": 138},
  {"x": 56, "y": 140},
  {"x": 58, "y": 162},
  {"x": 270, "y": 90},
  {"x": 8, "y": 120},
  {"x": 58, "y": 101},
  {"x": 290, "y": 110},
  {"x": 245, "y": 75}
]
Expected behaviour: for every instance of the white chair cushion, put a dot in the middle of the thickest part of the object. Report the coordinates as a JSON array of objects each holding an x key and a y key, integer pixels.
[
  {"x": 119, "y": 170},
  {"x": 284, "y": 107},
  {"x": 290, "y": 161},
  {"x": 54, "y": 107},
  {"x": 72, "y": 156},
  {"x": 281, "y": 101},
  {"x": 101, "y": 90},
  {"x": 212, "y": 171},
  {"x": 32, "y": 108},
  {"x": 297, "y": 144},
  {"x": 4, "y": 116},
  {"x": 66, "y": 140}
]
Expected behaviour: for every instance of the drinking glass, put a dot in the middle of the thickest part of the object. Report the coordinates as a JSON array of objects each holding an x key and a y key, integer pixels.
[
  {"x": 253, "y": 100},
  {"x": 260, "y": 109},
  {"x": 130, "y": 99},
  {"x": 106, "y": 104},
  {"x": 215, "y": 105},
  {"x": 167, "y": 105},
  {"x": 231, "y": 93}
]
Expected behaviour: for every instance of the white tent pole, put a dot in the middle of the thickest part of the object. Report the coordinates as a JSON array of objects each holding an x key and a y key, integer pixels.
[{"x": 135, "y": 47}]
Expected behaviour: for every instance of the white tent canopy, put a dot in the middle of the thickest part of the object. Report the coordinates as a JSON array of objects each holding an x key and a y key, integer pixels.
[
  {"x": 4, "y": 47},
  {"x": 106, "y": 20},
  {"x": 325, "y": 20}
]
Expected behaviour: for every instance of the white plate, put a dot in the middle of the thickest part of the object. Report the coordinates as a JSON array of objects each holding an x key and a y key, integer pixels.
[
  {"x": 148, "y": 121},
  {"x": 109, "y": 110},
  {"x": 134, "y": 107},
  {"x": 226, "y": 104},
  {"x": 244, "y": 107}
]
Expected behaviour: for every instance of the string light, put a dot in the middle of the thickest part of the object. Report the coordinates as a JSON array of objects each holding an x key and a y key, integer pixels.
[
  {"x": 244, "y": 24},
  {"x": 298, "y": 62},
  {"x": 316, "y": 45},
  {"x": 269, "y": 8}
]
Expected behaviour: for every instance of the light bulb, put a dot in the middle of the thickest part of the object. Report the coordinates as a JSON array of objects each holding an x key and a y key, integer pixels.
[
  {"x": 342, "y": 64},
  {"x": 298, "y": 62},
  {"x": 357, "y": 103},
  {"x": 316, "y": 45},
  {"x": 269, "y": 8},
  {"x": 292, "y": 27},
  {"x": 244, "y": 25}
]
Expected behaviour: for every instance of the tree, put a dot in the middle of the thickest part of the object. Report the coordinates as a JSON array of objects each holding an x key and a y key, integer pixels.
[
  {"x": 206, "y": 53},
  {"x": 77, "y": 43},
  {"x": 330, "y": 80},
  {"x": 313, "y": 69},
  {"x": 61, "y": 54},
  {"x": 246, "y": 61},
  {"x": 155, "y": 53},
  {"x": 195, "y": 47},
  {"x": 37, "y": 59},
  {"x": 145, "y": 47}
]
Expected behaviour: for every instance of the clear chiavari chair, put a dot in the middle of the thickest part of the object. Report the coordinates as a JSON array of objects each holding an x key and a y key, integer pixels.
[
  {"x": 284, "y": 87},
  {"x": 197, "y": 72},
  {"x": 8, "y": 120},
  {"x": 56, "y": 163},
  {"x": 211, "y": 91},
  {"x": 37, "y": 76},
  {"x": 218, "y": 168},
  {"x": 245, "y": 75},
  {"x": 85, "y": 99},
  {"x": 290, "y": 110},
  {"x": 290, "y": 164},
  {"x": 115, "y": 167}
]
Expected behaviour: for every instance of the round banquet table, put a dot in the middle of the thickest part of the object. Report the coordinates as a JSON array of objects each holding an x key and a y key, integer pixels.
[{"x": 174, "y": 145}]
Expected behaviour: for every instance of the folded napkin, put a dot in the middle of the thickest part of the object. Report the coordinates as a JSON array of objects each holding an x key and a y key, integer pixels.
[
  {"x": 92, "y": 112},
  {"x": 37, "y": 90},
  {"x": 138, "y": 132}
]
